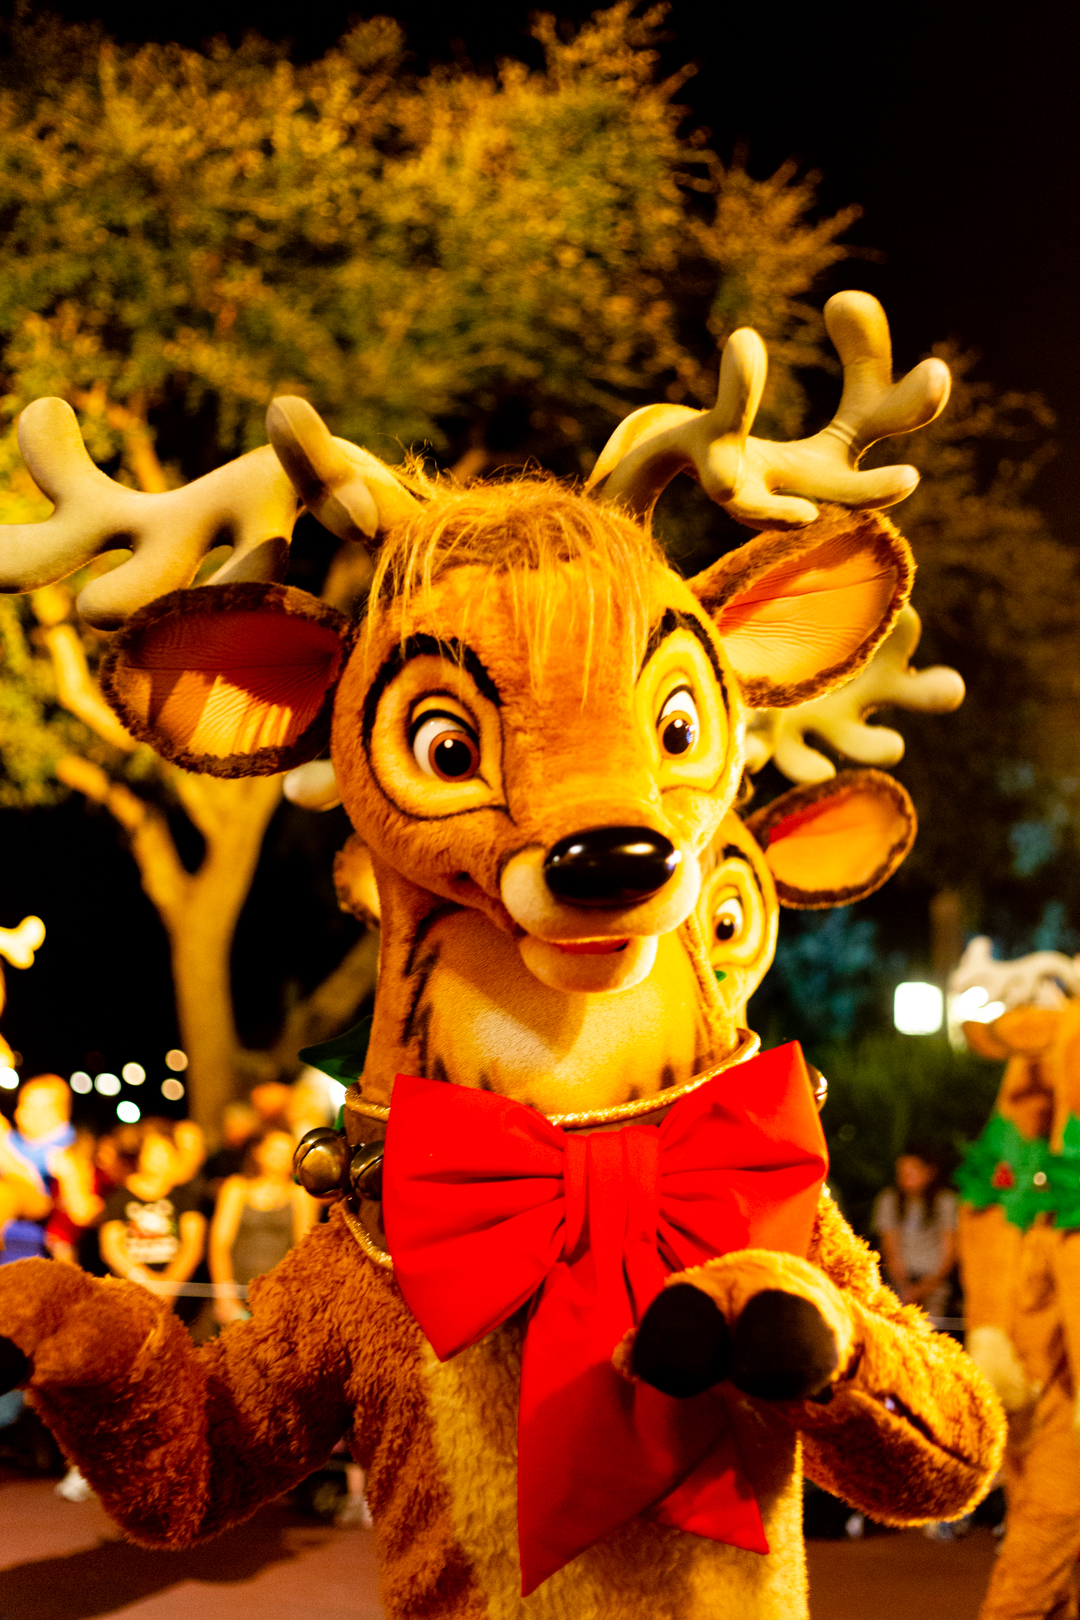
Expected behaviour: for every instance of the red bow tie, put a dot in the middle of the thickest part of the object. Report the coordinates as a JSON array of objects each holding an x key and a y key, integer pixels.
[{"x": 488, "y": 1206}]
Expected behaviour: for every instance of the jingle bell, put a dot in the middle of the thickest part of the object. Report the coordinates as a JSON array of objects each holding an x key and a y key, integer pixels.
[
  {"x": 321, "y": 1162},
  {"x": 365, "y": 1171}
]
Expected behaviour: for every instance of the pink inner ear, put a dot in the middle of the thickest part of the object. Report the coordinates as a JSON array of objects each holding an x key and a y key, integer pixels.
[
  {"x": 807, "y": 616},
  {"x": 231, "y": 683},
  {"x": 837, "y": 843}
]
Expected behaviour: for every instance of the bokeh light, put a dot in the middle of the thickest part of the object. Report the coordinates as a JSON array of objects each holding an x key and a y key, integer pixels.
[
  {"x": 133, "y": 1073},
  {"x": 128, "y": 1112},
  {"x": 107, "y": 1084},
  {"x": 176, "y": 1060},
  {"x": 172, "y": 1090},
  {"x": 81, "y": 1082},
  {"x": 918, "y": 1009}
]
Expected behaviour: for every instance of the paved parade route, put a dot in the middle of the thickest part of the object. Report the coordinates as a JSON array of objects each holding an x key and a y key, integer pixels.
[
  {"x": 67, "y": 1561},
  {"x": 898, "y": 1577}
]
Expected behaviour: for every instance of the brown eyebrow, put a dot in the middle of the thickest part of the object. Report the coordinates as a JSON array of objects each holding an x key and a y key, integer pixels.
[
  {"x": 672, "y": 620},
  {"x": 425, "y": 646},
  {"x": 733, "y": 852}
]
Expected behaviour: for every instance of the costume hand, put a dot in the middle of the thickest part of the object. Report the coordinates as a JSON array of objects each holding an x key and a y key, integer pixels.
[
  {"x": 994, "y": 1353},
  {"x": 71, "y": 1329},
  {"x": 773, "y": 1324}
]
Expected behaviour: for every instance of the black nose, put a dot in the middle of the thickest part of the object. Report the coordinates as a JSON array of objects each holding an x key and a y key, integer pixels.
[{"x": 610, "y": 866}]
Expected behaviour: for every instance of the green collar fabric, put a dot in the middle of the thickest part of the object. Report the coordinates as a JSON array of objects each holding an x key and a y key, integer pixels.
[
  {"x": 1002, "y": 1167},
  {"x": 1063, "y": 1170},
  {"x": 344, "y": 1057}
]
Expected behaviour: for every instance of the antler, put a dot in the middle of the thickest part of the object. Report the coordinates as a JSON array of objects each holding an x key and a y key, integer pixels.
[
  {"x": 840, "y": 717},
  {"x": 763, "y": 484},
  {"x": 1041, "y": 979},
  {"x": 251, "y": 503},
  {"x": 350, "y": 492}
]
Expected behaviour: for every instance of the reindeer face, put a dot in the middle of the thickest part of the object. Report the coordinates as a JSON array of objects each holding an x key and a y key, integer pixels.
[
  {"x": 567, "y": 794},
  {"x": 537, "y": 801}
]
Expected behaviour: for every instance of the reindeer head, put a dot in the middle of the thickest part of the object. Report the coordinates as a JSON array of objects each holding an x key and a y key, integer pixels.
[
  {"x": 538, "y": 726},
  {"x": 1033, "y": 1003}
]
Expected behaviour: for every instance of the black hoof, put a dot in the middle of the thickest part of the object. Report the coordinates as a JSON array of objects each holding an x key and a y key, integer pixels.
[
  {"x": 683, "y": 1345},
  {"x": 782, "y": 1349},
  {"x": 14, "y": 1367}
]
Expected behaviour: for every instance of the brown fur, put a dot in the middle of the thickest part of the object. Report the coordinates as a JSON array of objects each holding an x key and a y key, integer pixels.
[
  {"x": 912, "y": 1432},
  {"x": 554, "y": 638},
  {"x": 182, "y": 1442}
]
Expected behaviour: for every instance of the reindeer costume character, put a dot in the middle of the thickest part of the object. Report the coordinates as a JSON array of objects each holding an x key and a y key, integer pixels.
[
  {"x": 561, "y": 1137},
  {"x": 1020, "y": 1259}
]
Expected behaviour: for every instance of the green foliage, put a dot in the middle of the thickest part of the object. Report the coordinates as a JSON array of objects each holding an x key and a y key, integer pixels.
[
  {"x": 34, "y": 733},
  {"x": 892, "y": 1092},
  {"x": 187, "y": 234},
  {"x": 203, "y": 231},
  {"x": 997, "y": 783},
  {"x": 827, "y": 967},
  {"x": 771, "y": 250}
]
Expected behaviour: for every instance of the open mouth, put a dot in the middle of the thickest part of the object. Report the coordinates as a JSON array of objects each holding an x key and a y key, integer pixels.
[{"x": 590, "y": 947}]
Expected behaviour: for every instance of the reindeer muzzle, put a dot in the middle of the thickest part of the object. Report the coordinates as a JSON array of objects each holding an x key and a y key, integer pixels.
[{"x": 607, "y": 867}]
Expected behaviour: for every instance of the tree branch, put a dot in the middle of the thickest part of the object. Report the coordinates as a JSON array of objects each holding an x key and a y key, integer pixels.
[
  {"x": 332, "y": 1005},
  {"x": 130, "y": 423},
  {"x": 76, "y": 688},
  {"x": 163, "y": 876}
]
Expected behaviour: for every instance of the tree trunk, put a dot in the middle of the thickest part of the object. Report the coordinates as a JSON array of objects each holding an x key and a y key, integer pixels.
[
  {"x": 331, "y": 1006},
  {"x": 946, "y": 933},
  {"x": 232, "y": 816}
]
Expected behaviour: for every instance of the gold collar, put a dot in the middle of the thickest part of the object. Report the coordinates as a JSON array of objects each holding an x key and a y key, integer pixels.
[{"x": 748, "y": 1046}]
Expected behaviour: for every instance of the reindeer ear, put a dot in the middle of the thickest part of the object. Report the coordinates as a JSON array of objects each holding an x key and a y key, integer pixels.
[
  {"x": 230, "y": 680},
  {"x": 837, "y": 841},
  {"x": 801, "y": 611},
  {"x": 1022, "y": 1031}
]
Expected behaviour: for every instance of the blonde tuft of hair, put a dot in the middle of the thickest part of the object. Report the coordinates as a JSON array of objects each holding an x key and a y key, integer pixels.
[{"x": 531, "y": 523}]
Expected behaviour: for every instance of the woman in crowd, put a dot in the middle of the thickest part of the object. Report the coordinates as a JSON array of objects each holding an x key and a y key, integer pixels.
[
  {"x": 260, "y": 1214},
  {"x": 915, "y": 1220}
]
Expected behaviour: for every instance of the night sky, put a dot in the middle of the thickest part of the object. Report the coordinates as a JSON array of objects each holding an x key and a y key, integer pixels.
[{"x": 957, "y": 134}]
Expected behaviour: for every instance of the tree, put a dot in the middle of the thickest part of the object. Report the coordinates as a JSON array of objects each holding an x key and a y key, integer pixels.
[
  {"x": 500, "y": 268},
  {"x": 999, "y": 595}
]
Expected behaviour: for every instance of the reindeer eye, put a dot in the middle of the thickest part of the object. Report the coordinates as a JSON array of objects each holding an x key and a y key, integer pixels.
[
  {"x": 728, "y": 920},
  {"x": 678, "y": 724},
  {"x": 445, "y": 747}
]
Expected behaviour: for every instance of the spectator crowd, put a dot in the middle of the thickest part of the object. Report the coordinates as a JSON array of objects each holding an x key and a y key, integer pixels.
[{"x": 148, "y": 1203}]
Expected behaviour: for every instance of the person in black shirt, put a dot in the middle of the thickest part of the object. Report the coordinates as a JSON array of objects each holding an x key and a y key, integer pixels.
[{"x": 152, "y": 1232}]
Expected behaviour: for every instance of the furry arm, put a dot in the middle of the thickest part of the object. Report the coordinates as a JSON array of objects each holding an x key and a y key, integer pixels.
[
  {"x": 181, "y": 1442},
  {"x": 899, "y": 1423},
  {"x": 913, "y": 1431}
]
